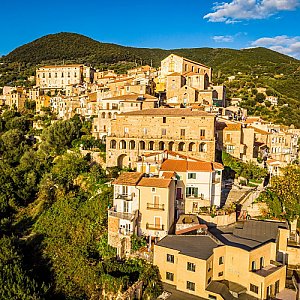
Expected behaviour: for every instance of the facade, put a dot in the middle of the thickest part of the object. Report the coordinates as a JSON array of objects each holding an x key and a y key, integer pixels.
[
  {"x": 186, "y": 131},
  {"x": 243, "y": 262},
  {"x": 16, "y": 99},
  {"x": 110, "y": 107},
  {"x": 58, "y": 77},
  {"x": 143, "y": 206}
]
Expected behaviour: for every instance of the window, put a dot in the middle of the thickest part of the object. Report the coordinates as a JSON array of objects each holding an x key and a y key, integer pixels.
[
  {"x": 190, "y": 286},
  {"x": 153, "y": 190},
  {"x": 191, "y": 175},
  {"x": 230, "y": 149},
  {"x": 182, "y": 132},
  {"x": 220, "y": 274},
  {"x": 202, "y": 133},
  {"x": 209, "y": 280},
  {"x": 277, "y": 287},
  {"x": 212, "y": 297},
  {"x": 169, "y": 276},
  {"x": 170, "y": 258},
  {"x": 163, "y": 131},
  {"x": 164, "y": 120},
  {"x": 126, "y": 130},
  {"x": 253, "y": 266},
  {"x": 209, "y": 266},
  {"x": 191, "y": 267},
  {"x": 261, "y": 262},
  {"x": 192, "y": 191},
  {"x": 253, "y": 288},
  {"x": 221, "y": 260},
  {"x": 145, "y": 130}
]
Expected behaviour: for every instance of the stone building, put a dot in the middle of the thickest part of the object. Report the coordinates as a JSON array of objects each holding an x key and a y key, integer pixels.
[{"x": 186, "y": 131}]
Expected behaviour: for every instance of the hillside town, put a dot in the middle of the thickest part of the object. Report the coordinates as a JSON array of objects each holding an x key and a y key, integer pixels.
[{"x": 174, "y": 136}]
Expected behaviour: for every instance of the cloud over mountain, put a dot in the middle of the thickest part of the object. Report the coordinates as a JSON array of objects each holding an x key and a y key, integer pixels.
[{"x": 282, "y": 43}]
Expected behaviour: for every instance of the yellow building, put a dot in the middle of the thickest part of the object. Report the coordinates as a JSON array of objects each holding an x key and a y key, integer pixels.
[
  {"x": 239, "y": 262},
  {"x": 189, "y": 132},
  {"x": 16, "y": 99},
  {"x": 143, "y": 206},
  {"x": 42, "y": 101}
]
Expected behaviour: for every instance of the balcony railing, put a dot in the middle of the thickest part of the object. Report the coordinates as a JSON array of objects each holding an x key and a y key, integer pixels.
[
  {"x": 154, "y": 227},
  {"x": 121, "y": 215},
  {"x": 155, "y": 206},
  {"x": 124, "y": 197}
]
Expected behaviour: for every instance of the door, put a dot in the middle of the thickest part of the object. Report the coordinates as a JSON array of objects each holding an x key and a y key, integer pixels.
[{"x": 179, "y": 193}]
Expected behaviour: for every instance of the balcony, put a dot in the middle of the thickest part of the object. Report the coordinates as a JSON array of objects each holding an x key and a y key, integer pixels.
[
  {"x": 121, "y": 215},
  {"x": 154, "y": 227},
  {"x": 124, "y": 197},
  {"x": 155, "y": 206}
]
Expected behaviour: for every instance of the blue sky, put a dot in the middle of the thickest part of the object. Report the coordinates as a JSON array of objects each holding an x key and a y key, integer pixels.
[{"x": 158, "y": 23}]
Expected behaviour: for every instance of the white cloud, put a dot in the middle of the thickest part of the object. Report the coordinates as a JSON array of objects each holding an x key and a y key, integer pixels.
[
  {"x": 282, "y": 43},
  {"x": 223, "y": 38},
  {"x": 238, "y": 10}
]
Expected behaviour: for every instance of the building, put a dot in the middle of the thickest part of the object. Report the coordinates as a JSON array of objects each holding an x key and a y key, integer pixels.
[
  {"x": 110, "y": 107},
  {"x": 16, "y": 98},
  {"x": 142, "y": 205},
  {"x": 241, "y": 262},
  {"x": 58, "y": 77},
  {"x": 186, "y": 131}
]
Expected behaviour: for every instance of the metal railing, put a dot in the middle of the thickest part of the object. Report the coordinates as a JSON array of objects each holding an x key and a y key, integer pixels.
[
  {"x": 155, "y": 227},
  {"x": 155, "y": 206},
  {"x": 121, "y": 215},
  {"x": 124, "y": 197}
]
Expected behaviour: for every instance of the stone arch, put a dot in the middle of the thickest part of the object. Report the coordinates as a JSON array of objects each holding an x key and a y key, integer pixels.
[
  {"x": 122, "y": 144},
  {"x": 151, "y": 145},
  {"x": 109, "y": 115},
  {"x": 103, "y": 115},
  {"x": 171, "y": 145},
  {"x": 181, "y": 146},
  {"x": 191, "y": 146},
  {"x": 142, "y": 145},
  {"x": 123, "y": 161},
  {"x": 161, "y": 145},
  {"x": 113, "y": 144},
  {"x": 132, "y": 145},
  {"x": 202, "y": 147}
]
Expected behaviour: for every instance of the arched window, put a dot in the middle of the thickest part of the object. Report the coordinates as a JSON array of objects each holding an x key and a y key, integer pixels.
[
  {"x": 109, "y": 115},
  {"x": 113, "y": 144},
  {"x": 161, "y": 145},
  {"x": 181, "y": 146},
  {"x": 132, "y": 145},
  {"x": 171, "y": 144},
  {"x": 122, "y": 144},
  {"x": 191, "y": 146},
  {"x": 142, "y": 145},
  {"x": 151, "y": 145},
  {"x": 202, "y": 147},
  {"x": 103, "y": 115}
]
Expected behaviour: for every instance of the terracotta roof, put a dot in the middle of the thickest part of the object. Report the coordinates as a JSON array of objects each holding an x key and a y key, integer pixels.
[
  {"x": 191, "y": 74},
  {"x": 129, "y": 178},
  {"x": 155, "y": 182},
  {"x": 228, "y": 126},
  {"x": 185, "y": 165},
  {"x": 168, "y": 175},
  {"x": 272, "y": 162},
  {"x": 175, "y": 112}
]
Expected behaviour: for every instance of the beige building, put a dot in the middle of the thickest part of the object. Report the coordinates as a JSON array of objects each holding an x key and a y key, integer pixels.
[
  {"x": 58, "y": 77},
  {"x": 16, "y": 98},
  {"x": 110, "y": 107},
  {"x": 241, "y": 262},
  {"x": 186, "y": 131},
  {"x": 143, "y": 206}
]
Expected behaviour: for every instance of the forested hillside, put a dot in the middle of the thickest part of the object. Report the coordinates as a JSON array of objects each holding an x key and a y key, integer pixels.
[{"x": 255, "y": 67}]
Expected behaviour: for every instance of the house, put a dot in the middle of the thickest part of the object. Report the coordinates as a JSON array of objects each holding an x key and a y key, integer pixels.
[{"x": 244, "y": 261}]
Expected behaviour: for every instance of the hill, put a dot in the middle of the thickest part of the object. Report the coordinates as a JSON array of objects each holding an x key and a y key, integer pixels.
[{"x": 253, "y": 67}]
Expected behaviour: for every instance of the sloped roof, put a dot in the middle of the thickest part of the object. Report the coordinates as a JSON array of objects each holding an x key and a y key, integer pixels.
[
  {"x": 172, "y": 112},
  {"x": 178, "y": 165},
  {"x": 128, "y": 178},
  {"x": 155, "y": 182}
]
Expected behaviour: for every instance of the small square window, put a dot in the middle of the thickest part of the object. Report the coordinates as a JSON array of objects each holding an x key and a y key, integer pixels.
[
  {"x": 190, "y": 286},
  {"x": 191, "y": 267},
  {"x": 221, "y": 260},
  {"x": 170, "y": 258},
  {"x": 220, "y": 274},
  {"x": 191, "y": 175},
  {"x": 169, "y": 276},
  {"x": 153, "y": 190}
]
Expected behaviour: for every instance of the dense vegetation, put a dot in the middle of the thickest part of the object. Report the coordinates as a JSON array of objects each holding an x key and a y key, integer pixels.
[
  {"x": 53, "y": 217},
  {"x": 256, "y": 67},
  {"x": 283, "y": 195}
]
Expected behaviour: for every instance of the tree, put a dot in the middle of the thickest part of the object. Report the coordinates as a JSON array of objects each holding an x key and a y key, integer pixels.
[
  {"x": 260, "y": 97},
  {"x": 283, "y": 196}
]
